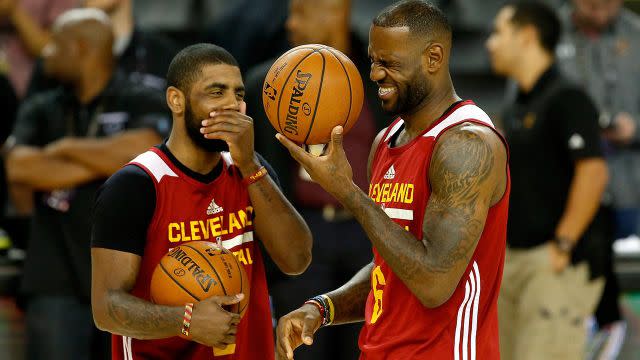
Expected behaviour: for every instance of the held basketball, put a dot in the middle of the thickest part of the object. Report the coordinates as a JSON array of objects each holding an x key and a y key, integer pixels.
[
  {"x": 311, "y": 89},
  {"x": 195, "y": 271}
]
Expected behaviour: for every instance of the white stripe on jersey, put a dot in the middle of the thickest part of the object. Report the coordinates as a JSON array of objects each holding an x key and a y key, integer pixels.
[
  {"x": 126, "y": 347},
  {"x": 465, "y": 112},
  {"x": 466, "y": 332},
  {"x": 467, "y": 320},
  {"x": 154, "y": 163},
  {"x": 400, "y": 214},
  {"x": 394, "y": 130},
  {"x": 456, "y": 344},
  {"x": 226, "y": 156},
  {"x": 474, "y": 324},
  {"x": 238, "y": 240}
]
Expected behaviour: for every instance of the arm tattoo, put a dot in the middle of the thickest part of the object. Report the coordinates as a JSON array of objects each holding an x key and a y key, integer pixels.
[
  {"x": 137, "y": 318},
  {"x": 460, "y": 178},
  {"x": 453, "y": 220}
]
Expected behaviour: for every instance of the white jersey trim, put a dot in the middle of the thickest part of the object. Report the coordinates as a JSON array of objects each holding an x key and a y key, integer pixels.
[
  {"x": 467, "y": 319},
  {"x": 474, "y": 321},
  {"x": 464, "y": 112},
  {"x": 226, "y": 156},
  {"x": 126, "y": 348},
  {"x": 456, "y": 343},
  {"x": 394, "y": 129},
  {"x": 238, "y": 240},
  {"x": 154, "y": 163},
  {"x": 400, "y": 214}
]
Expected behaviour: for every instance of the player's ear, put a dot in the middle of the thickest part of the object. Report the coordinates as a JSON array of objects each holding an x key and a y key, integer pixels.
[
  {"x": 176, "y": 100},
  {"x": 433, "y": 57}
]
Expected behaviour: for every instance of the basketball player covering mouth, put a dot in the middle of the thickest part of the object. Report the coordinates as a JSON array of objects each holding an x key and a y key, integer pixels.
[
  {"x": 436, "y": 211},
  {"x": 191, "y": 188}
]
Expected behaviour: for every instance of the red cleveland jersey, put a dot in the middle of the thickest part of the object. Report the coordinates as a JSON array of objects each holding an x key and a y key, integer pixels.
[
  {"x": 188, "y": 210},
  {"x": 397, "y": 325}
]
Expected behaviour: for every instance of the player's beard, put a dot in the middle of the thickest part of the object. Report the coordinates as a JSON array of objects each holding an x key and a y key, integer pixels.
[
  {"x": 193, "y": 125},
  {"x": 411, "y": 98}
]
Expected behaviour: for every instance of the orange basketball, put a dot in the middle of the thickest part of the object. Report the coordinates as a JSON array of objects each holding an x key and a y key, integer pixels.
[
  {"x": 195, "y": 271},
  {"x": 311, "y": 89}
]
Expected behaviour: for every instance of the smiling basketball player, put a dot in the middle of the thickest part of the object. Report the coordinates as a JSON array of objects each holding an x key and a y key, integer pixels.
[{"x": 192, "y": 188}]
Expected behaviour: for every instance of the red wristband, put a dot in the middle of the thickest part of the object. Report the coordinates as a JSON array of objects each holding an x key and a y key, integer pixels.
[
  {"x": 255, "y": 176},
  {"x": 186, "y": 319}
]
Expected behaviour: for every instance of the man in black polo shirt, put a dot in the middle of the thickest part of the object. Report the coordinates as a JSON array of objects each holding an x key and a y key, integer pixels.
[
  {"x": 552, "y": 280},
  {"x": 65, "y": 143}
]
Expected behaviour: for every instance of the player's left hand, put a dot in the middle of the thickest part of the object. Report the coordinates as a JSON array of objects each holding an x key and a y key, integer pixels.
[
  {"x": 331, "y": 170},
  {"x": 236, "y": 129}
]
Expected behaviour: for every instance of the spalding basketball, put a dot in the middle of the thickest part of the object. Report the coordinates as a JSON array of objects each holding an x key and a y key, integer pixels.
[
  {"x": 310, "y": 90},
  {"x": 195, "y": 271}
]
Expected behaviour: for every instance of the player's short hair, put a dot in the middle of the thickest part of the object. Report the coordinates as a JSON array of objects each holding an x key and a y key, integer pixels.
[
  {"x": 187, "y": 64},
  {"x": 423, "y": 18},
  {"x": 542, "y": 18}
]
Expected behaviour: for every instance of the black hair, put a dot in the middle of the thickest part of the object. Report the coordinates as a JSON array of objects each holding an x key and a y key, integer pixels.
[
  {"x": 186, "y": 65},
  {"x": 542, "y": 18},
  {"x": 421, "y": 17}
]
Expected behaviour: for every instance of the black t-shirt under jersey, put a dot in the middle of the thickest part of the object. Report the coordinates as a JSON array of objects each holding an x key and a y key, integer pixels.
[{"x": 122, "y": 225}]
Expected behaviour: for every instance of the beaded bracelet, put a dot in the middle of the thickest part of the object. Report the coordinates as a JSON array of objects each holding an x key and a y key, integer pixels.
[{"x": 325, "y": 305}]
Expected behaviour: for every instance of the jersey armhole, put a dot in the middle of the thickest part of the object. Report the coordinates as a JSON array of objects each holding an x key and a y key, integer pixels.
[
  {"x": 376, "y": 152},
  {"x": 155, "y": 189},
  {"x": 383, "y": 140}
]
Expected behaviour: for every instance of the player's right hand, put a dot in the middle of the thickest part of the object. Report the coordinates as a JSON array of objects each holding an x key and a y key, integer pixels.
[
  {"x": 296, "y": 328},
  {"x": 211, "y": 324}
]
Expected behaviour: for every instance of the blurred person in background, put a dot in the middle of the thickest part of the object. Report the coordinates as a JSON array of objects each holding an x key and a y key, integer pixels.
[
  {"x": 342, "y": 247},
  {"x": 8, "y": 101},
  {"x": 143, "y": 55},
  {"x": 252, "y": 30},
  {"x": 64, "y": 144},
  {"x": 552, "y": 277},
  {"x": 24, "y": 32},
  {"x": 9, "y": 105},
  {"x": 600, "y": 50}
]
